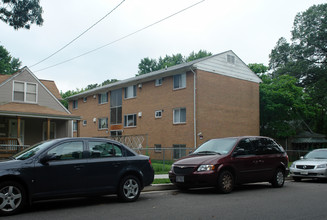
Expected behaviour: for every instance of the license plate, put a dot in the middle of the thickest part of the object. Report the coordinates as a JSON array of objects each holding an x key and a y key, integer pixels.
[
  {"x": 304, "y": 172},
  {"x": 180, "y": 179}
]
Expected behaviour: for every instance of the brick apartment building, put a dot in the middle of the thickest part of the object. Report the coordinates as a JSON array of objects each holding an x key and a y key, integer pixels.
[{"x": 178, "y": 107}]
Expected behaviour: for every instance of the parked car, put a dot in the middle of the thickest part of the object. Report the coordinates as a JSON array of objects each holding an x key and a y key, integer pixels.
[
  {"x": 225, "y": 162},
  {"x": 70, "y": 167},
  {"x": 312, "y": 165}
]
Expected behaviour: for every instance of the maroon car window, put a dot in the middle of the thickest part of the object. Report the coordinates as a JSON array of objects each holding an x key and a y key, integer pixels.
[{"x": 247, "y": 146}]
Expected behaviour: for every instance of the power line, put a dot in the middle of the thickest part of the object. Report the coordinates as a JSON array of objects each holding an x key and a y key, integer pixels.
[
  {"x": 135, "y": 32},
  {"x": 77, "y": 36}
]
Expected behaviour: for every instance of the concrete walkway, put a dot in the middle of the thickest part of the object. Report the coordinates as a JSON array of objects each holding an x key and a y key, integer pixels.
[{"x": 161, "y": 176}]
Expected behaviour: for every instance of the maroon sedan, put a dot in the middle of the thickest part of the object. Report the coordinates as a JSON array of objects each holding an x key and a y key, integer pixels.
[{"x": 225, "y": 162}]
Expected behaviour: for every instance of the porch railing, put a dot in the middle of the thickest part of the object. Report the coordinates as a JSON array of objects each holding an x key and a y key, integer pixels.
[{"x": 10, "y": 146}]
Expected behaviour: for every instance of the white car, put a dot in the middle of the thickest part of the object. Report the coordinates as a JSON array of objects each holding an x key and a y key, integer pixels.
[{"x": 312, "y": 165}]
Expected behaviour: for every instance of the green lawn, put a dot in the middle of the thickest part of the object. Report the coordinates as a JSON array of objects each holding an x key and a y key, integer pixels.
[{"x": 160, "y": 167}]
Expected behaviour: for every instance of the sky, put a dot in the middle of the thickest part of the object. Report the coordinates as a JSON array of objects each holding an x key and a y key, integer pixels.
[{"x": 251, "y": 28}]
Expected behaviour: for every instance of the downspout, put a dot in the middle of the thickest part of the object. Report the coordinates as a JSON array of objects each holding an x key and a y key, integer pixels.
[{"x": 194, "y": 107}]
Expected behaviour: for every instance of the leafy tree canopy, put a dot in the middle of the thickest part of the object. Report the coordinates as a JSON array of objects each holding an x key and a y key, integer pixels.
[
  {"x": 305, "y": 58},
  {"x": 148, "y": 65},
  {"x": 281, "y": 103},
  {"x": 21, "y": 13},
  {"x": 258, "y": 68},
  {"x": 8, "y": 64}
]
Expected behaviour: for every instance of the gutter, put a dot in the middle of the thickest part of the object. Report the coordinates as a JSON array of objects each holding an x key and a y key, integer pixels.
[{"x": 194, "y": 108}]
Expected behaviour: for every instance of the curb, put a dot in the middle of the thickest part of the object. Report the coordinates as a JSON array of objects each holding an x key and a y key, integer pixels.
[
  {"x": 170, "y": 186},
  {"x": 159, "y": 187}
]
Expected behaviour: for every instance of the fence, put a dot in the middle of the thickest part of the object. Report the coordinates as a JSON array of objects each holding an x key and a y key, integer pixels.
[{"x": 7, "y": 150}]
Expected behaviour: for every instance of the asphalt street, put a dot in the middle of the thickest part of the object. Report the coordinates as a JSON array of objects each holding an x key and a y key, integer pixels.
[{"x": 295, "y": 201}]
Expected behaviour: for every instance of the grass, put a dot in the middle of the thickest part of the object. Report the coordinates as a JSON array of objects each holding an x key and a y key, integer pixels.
[
  {"x": 161, "y": 168},
  {"x": 161, "y": 181}
]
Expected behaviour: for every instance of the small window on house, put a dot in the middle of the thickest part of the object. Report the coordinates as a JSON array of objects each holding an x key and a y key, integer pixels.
[
  {"x": 24, "y": 92},
  {"x": 158, "y": 114},
  {"x": 179, "y": 115},
  {"x": 130, "y": 120},
  {"x": 157, "y": 148},
  {"x": 115, "y": 133},
  {"x": 230, "y": 59},
  {"x": 103, "y": 123},
  {"x": 179, "y": 150},
  {"x": 75, "y": 126},
  {"x": 84, "y": 122},
  {"x": 158, "y": 82},
  {"x": 84, "y": 99},
  {"x": 179, "y": 81},
  {"x": 75, "y": 104},
  {"x": 103, "y": 98},
  {"x": 130, "y": 92}
]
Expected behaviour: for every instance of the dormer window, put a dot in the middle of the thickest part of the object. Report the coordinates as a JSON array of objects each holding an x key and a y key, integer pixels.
[{"x": 25, "y": 92}]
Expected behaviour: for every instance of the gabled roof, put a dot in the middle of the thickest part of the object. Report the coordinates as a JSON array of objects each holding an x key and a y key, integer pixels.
[
  {"x": 20, "y": 109},
  {"x": 49, "y": 84},
  {"x": 215, "y": 63}
]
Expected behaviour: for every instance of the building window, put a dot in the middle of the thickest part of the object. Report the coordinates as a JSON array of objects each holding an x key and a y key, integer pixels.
[
  {"x": 158, "y": 82},
  {"x": 75, "y": 126},
  {"x": 158, "y": 114},
  {"x": 25, "y": 92},
  {"x": 116, "y": 133},
  {"x": 84, "y": 122},
  {"x": 130, "y": 120},
  {"x": 179, "y": 151},
  {"x": 157, "y": 148},
  {"x": 84, "y": 99},
  {"x": 130, "y": 92},
  {"x": 52, "y": 130},
  {"x": 75, "y": 104},
  {"x": 103, "y": 123},
  {"x": 180, "y": 81},
  {"x": 179, "y": 115},
  {"x": 230, "y": 59},
  {"x": 116, "y": 107},
  {"x": 103, "y": 98}
]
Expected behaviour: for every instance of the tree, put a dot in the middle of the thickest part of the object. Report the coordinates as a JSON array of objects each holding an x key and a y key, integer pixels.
[
  {"x": 258, "y": 68},
  {"x": 21, "y": 13},
  {"x": 305, "y": 58},
  {"x": 148, "y": 65},
  {"x": 8, "y": 64},
  {"x": 282, "y": 102}
]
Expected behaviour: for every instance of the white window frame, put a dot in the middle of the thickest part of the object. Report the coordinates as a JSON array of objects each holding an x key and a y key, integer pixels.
[
  {"x": 177, "y": 116},
  {"x": 101, "y": 99},
  {"x": 130, "y": 92},
  {"x": 75, "y": 126},
  {"x": 84, "y": 122},
  {"x": 75, "y": 104},
  {"x": 127, "y": 120},
  {"x": 158, "y": 114},
  {"x": 158, "y": 82},
  {"x": 25, "y": 91},
  {"x": 100, "y": 124},
  {"x": 181, "y": 81}
]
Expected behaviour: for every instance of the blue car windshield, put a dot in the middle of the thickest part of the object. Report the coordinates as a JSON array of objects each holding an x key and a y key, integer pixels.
[
  {"x": 217, "y": 146},
  {"x": 317, "y": 154},
  {"x": 31, "y": 151}
]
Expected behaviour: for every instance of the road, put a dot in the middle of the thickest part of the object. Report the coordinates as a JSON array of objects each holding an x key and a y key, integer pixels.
[{"x": 304, "y": 200}]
